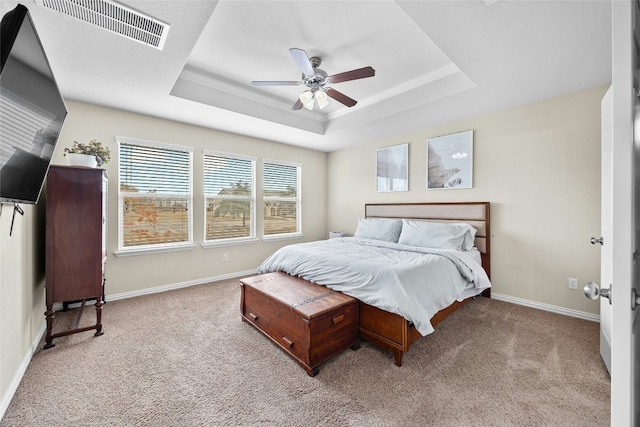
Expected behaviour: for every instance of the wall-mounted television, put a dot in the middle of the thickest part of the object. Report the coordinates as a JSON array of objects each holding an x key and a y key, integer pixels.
[{"x": 32, "y": 110}]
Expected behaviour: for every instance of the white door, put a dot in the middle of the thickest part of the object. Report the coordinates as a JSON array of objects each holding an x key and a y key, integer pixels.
[
  {"x": 620, "y": 270},
  {"x": 606, "y": 227},
  {"x": 625, "y": 391}
]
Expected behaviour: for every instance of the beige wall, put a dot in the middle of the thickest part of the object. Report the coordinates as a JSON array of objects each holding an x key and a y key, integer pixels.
[
  {"x": 133, "y": 273},
  {"x": 22, "y": 255},
  {"x": 538, "y": 165},
  {"x": 21, "y": 290}
]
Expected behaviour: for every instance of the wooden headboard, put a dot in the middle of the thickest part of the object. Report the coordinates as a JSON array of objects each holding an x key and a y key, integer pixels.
[{"x": 476, "y": 214}]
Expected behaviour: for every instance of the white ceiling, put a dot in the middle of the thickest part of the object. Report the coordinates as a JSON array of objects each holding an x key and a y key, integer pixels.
[{"x": 435, "y": 62}]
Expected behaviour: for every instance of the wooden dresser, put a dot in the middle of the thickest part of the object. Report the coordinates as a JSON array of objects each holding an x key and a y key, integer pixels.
[
  {"x": 76, "y": 242},
  {"x": 310, "y": 322}
]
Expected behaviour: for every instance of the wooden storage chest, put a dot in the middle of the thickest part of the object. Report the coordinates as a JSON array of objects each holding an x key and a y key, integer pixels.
[{"x": 310, "y": 322}]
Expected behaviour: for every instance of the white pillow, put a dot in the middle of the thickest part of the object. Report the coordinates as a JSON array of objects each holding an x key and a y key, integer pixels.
[
  {"x": 379, "y": 229},
  {"x": 469, "y": 238},
  {"x": 440, "y": 235}
]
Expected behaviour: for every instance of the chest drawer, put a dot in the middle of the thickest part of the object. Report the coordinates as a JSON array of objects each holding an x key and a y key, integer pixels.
[{"x": 278, "y": 321}]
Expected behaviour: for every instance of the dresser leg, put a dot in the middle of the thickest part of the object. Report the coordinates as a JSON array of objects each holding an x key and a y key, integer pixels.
[
  {"x": 99, "y": 330},
  {"x": 49, "y": 315}
]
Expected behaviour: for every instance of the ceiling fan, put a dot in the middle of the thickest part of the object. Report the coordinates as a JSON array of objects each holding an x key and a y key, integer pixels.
[{"x": 317, "y": 82}]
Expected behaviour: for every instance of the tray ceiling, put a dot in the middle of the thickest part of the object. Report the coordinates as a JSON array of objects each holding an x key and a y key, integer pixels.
[{"x": 435, "y": 62}]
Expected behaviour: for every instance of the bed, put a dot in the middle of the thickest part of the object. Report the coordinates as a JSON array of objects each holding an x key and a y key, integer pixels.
[{"x": 385, "y": 263}]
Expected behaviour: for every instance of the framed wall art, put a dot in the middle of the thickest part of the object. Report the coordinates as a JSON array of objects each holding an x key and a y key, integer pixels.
[
  {"x": 392, "y": 168},
  {"x": 450, "y": 161}
]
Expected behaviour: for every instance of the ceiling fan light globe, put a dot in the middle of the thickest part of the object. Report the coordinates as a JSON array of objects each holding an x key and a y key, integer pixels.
[
  {"x": 321, "y": 99},
  {"x": 306, "y": 96},
  {"x": 307, "y": 99}
]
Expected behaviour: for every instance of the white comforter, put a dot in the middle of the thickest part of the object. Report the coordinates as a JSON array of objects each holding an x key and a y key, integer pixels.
[{"x": 412, "y": 282}]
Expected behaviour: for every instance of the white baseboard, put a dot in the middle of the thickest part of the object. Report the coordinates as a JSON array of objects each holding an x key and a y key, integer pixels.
[
  {"x": 547, "y": 307},
  {"x": 17, "y": 378},
  {"x": 179, "y": 285}
]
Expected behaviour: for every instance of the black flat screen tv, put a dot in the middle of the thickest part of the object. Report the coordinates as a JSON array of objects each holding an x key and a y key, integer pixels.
[{"x": 32, "y": 110}]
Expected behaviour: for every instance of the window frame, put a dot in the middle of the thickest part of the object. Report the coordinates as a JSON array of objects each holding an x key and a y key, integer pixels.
[
  {"x": 252, "y": 200},
  {"x": 297, "y": 199},
  {"x": 158, "y": 247}
]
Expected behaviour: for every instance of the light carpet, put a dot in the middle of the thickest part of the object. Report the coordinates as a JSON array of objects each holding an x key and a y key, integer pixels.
[{"x": 184, "y": 358}]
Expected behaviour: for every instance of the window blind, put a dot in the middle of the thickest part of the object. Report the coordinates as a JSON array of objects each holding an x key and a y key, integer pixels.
[
  {"x": 155, "y": 195},
  {"x": 146, "y": 169},
  {"x": 229, "y": 183},
  {"x": 279, "y": 180},
  {"x": 281, "y": 202},
  {"x": 226, "y": 175}
]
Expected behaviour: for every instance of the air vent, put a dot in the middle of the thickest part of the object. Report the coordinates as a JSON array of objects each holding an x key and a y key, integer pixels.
[{"x": 113, "y": 17}]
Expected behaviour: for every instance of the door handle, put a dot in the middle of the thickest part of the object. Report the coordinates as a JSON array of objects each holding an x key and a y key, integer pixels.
[
  {"x": 592, "y": 291},
  {"x": 595, "y": 240},
  {"x": 635, "y": 299}
]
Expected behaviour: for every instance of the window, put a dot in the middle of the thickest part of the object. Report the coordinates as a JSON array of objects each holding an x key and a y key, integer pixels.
[
  {"x": 229, "y": 192},
  {"x": 281, "y": 198},
  {"x": 155, "y": 195}
]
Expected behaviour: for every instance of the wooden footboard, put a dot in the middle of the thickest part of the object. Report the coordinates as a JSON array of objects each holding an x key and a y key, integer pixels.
[{"x": 391, "y": 331}]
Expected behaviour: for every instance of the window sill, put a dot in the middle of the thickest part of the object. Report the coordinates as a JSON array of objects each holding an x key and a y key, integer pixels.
[
  {"x": 229, "y": 242},
  {"x": 282, "y": 237},
  {"x": 147, "y": 251}
]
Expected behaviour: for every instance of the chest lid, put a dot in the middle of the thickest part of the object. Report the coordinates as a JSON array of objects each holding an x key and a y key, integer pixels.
[{"x": 305, "y": 297}]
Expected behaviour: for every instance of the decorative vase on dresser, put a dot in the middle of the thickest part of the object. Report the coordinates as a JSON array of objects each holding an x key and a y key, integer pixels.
[
  {"x": 78, "y": 159},
  {"x": 76, "y": 243}
]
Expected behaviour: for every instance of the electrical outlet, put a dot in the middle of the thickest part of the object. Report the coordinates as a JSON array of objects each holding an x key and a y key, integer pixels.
[
  {"x": 573, "y": 283},
  {"x": 225, "y": 258}
]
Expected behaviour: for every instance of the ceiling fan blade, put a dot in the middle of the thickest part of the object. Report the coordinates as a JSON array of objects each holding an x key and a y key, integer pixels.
[
  {"x": 275, "y": 83},
  {"x": 360, "y": 73},
  {"x": 297, "y": 105},
  {"x": 341, "y": 97},
  {"x": 303, "y": 62}
]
